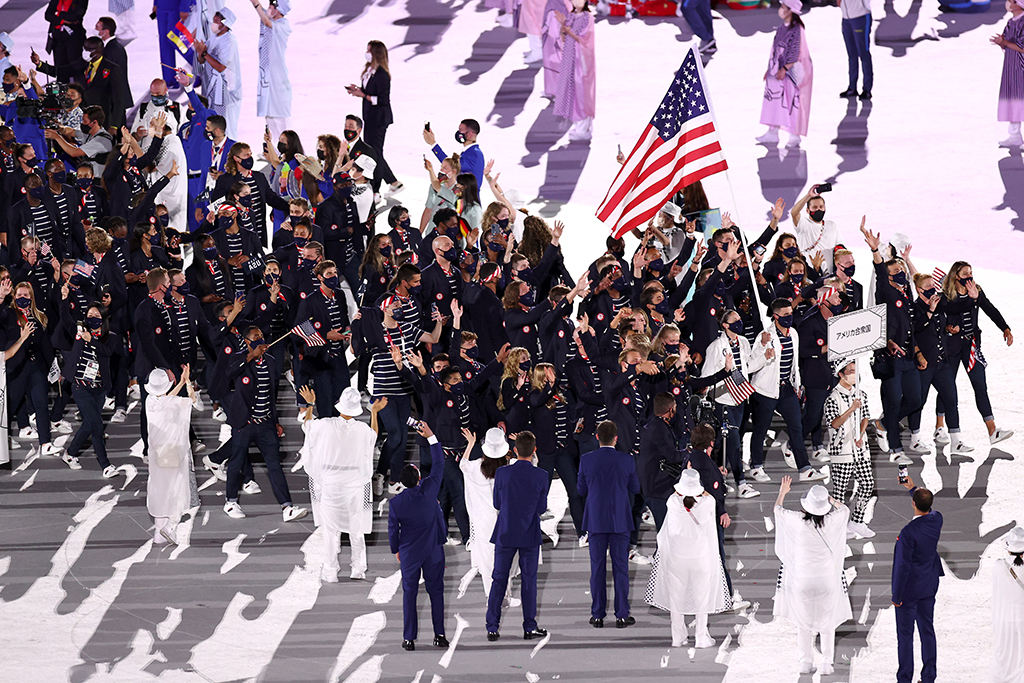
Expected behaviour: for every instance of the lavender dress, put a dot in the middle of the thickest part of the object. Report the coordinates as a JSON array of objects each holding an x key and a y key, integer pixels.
[
  {"x": 787, "y": 103},
  {"x": 1011, "y": 87}
]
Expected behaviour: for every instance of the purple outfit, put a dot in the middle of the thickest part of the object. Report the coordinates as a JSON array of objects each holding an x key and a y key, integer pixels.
[{"x": 1011, "y": 87}]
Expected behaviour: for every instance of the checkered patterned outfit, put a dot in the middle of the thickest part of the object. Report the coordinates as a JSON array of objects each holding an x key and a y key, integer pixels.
[{"x": 848, "y": 462}]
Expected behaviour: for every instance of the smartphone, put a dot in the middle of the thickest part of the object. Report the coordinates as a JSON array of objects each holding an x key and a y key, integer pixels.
[
  {"x": 903, "y": 474},
  {"x": 759, "y": 249},
  {"x": 414, "y": 423},
  {"x": 824, "y": 187},
  {"x": 239, "y": 295},
  {"x": 152, "y": 15},
  {"x": 426, "y": 126}
]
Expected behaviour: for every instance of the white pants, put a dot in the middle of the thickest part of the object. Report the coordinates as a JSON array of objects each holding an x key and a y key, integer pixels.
[
  {"x": 162, "y": 523},
  {"x": 277, "y": 125},
  {"x": 126, "y": 26},
  {"x": 332, "y": 546},
  {"x": 679, "y": 631},
  {"x": 805, "y": 641}
]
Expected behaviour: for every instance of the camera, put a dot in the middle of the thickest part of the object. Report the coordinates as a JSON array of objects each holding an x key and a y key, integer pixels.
[{"x": 49, "y": 107}]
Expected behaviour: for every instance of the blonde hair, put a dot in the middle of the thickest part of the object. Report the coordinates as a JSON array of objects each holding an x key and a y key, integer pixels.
[
  {"x": 36, "y": 313},
  {"x": 539, "y": 378},
  {"x": 515, "y": 356},
  {"x": 952, "y": 278}
]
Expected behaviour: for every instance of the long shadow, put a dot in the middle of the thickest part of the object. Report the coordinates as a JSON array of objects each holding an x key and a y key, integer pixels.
[
  {"x": 16, "y": 12},
  {"x": 488, "y": 49},
  {"x": 851, "y": 138},
  {"x": 543, "y": 135},
  {"x": 894, "y": 31},
  {"x": 347, "y": 11},
  {"x": 565, "y": 164},
  {"x": 783, "y": 173},
  {"x": 512, "y": 96},
  {"x": 958, "y": 24},
  {"x": 427, "y": 23},
  {"x": 1011, "y": 170},
  {"x": 752, "y": 21}
]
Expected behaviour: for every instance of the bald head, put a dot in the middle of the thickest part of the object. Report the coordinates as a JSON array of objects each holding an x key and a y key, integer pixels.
[
  {"x": 158, "y": 87},
  {"x": 440, "y": 245}
]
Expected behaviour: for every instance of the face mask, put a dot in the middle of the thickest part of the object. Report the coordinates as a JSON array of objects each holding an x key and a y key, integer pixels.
[
  {"x": 9, "y": 87},
  {"x": 85, "y": 128},
  {"x": 619, "y": 284},
  {"x": 964, "y": 280},
  {"x": 405, "y": 224},
  {"x": 672, "y": 349},
  {"x": 502, "y": 223},
  {"x": 495, "y": 247},
  {"x": 321, "y": 155},
  {"x": 524, "y": 367},
  {"x": 245, "y": 201},
  {"x": 332, "y": 282},
  {"x": 452, "y": 254},
  {"x": 928, "y": 293},
  {"x": 253, "y": 343},
  {"x": 720, "y": 288},
  {"x": 527, "y": 299},
  {"x": 818, "y": 216},
  {"x": 796, "y": 278},
  {"x": 900, "y": 278},
  {"x": 736, "y": 327},
  {"x": 225, "y": 222},
  {"x": 472, "y": 352},
  {"x": 120, "y": 241},
  {"x": 457, "y": 388},
  {"x": 282, "y": 148},
  {"x": 84, "y": 183},
  {"x": 271, "y": 278},
  {"x": 155, "y": 240},
  {"x": 208, "y": 134},
  {"x": 300, "y": 242},
  {"x": 662, "y": 307},
  {"x": 165, "y": 219},
  {"x": 306, "y": 263},
  {"x": 786, "y": 320},
  {"x": 246, "y": 163},
  {"x": 38, "y": 192},
  {"x": 184, "y": 288},
  {"x": 60, "y": 176},
  {"x": 790, "y": 252},
  {"x": 158, "y": 100},
  {"x": 86, "y": 55},
  {"x": 657, "y": 265},
  {"x": 441, "y": 177},
  {"x": 848, "y": 270},
  {"x": 94, "y": 323},
  {"x": 836, "y": 309},
  {"x": 210, "y": 253},
  {"x": 343, "y": 191},
  {"x": 368, "y": 57},
  {"x": 386, "y": 251},
  {"x": 460, "y": 137},
  {"x": 415, "y": 289},
  {"x": 350, "y": 135},
  {"x": 31, "y": 162},
  {"x": 23, "y": 302}
]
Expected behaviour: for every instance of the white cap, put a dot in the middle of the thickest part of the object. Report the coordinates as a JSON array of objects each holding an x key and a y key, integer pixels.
[
  {"x": 159, "y": 383},
  {"x": 689, "y": 484},
  {"x": 672, "y": 210},
  {"x": 515, "y": 198},
  {"x": 367, "y": 165},
  {"x": 7, "y": 41},
  {"x": 283, "y": 6},
  {"x": 1015, "y": 539},
  {"x": 815, "y": 501},
  {"x": 495, "y": 444},
  {"x": 349, "y": 403},
  {"x": 227, "y": 17},
  {"x": 794, "y": 5}
]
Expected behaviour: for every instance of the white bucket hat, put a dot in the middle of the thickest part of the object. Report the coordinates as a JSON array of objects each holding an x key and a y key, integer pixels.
[
  {"x": 158, "y": 383},
  {"x": 495, "y": 444},
  {"x": 1015, "y": 540},
  {"x": 367, "y": 165},
  {"x": 672, "y": 210},
  {"x": 689, "y": 484},
  {"x": 349, "y": 403},
  {"x": 7, "y": 41},
  {"x": 794, "y": 5},
  {"x": 815, "y": 501}
]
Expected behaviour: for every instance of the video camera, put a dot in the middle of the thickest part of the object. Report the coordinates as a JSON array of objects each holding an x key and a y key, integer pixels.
[{"x": 49, "y": 107}]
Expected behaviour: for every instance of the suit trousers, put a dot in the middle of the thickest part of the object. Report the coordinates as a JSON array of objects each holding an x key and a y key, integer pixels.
[
  {"x": 433, "y": 580},
  {"x": 528, "y": 558},
  {"x": 265, "y": 435},
  {"x": 90, "y": 405},
  {"x": 562, "y": 461},
  {"x": 452, "y": 497},
  {"x": 920, "y": 612},
  {"x": 941, "y": 376},
  {"x": 374, "y": 136},
  {"x": 788, "y": 406},
  {"x": 901, "y": 396},
  {"x": 617, "y": 545}
]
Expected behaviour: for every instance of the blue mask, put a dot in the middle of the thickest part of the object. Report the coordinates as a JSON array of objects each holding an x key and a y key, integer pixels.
[
  {"x": 452, "y": 255},
  {"x": 472, "y": 352},
  {"x": 84, "y": 184},
  {"x": 385, "y": 251},
  {"x": 210, "y": 253},
  {"x": 405, "y": 224},
  {"x": 662, "y": 307},
  {"x": 526, "y": 274},
  {"x": 155, "y": 240},
  {"x": 271, "y": 278},
  {"x": 306, "y": 263},
  {"x": 38, "y": 192},
  {"x": 332, "y": 282},
  {"x": 185, "y": 288},
  {"x": 245, "y": 201},
  {"x": 495, "y": 247},
  {"x": 619, "y": 284},
  {"x": 672, "y": 349},
  {"x": 253, "y": 343},
  {"x": 790, "y": 252},
  {"x": 656, "y": 265},
  {"x": 60, "y": 176},
  {"x": 786, "y": 320},
  {"x": 23, "y": 302},
  {"x": 796, "y": 278},
  {"x": 458, "y": 389},
  {"x": 900, "y": 278},
  {"x": 247, "y": 163},
  {"x": 929, "y": 293},
  {"x": 736, "y": 327},
  {"x": 94, "y": 323},
  {"x": 300, "y": 242},
  {"x": 836, "y": 309},
  {"x": 848, "y": 269},
  {"x": 225, "y": 222},
  {"x": 165, "y": 219},
  {"x": 527, "y": 299}
]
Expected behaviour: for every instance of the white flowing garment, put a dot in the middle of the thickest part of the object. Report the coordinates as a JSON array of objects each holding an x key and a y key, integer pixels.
[
  {"x": 1007, "y": 623},
  {"x": 338, "y": 457},
  {"x": 274, "y": 86},
  {"x": 479, "y": 493},
  {"x": 175, "y": 195},
  {"x": 170, "y": 455},
  {"x": 811, "y": 589},
  {"x": 689, "y": 576}
]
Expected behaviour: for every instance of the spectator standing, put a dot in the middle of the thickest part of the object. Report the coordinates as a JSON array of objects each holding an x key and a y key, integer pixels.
[{"x": 274, "y": 87}]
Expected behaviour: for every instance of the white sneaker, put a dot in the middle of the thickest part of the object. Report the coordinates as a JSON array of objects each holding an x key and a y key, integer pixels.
[
  {"x": 960, "y": 448},
  {"x": 645, "y": 518},
  {"x": 821, "y": 455},
  {"x": 134, "y": 392},
  {"x": 168, "y": 536},
  {"x": 50, "y": 450},
  {"x": 861, "y": 529},
  {"x": 217, "y": 469},
  {"x": 108, "y": 404},
  {"x": 811, "y": 475},
  {"x": 787, "y": 455},
  {"x": 826, "y": 669},
  {"x": 452, "y": 541},
  {"x": 109, "y": 472},
  {"x": 917, "y": 447},
  {"x": 291, "y": 513},
  {"x": 941, "y": 435},
  {"x": 396, "y": 488},
  {"x": 1012, "y": 141},
  {"x": 704, "y": 641},
  {"x": 219, "y": 415},
  {"x": 881, "y": 439},
  {"x": 584, "y": 540},
  {"x": 62, "y": 426},
  {"x": 328, "y": 576},
  {"x": 378, "y": 484},
  {"x": 533, "y": 57},
  {"x": 357, "y": 576},
  {"x": 198, "y": 446},
  {"x": 902, "y": 459},
  {"x": 794, "y": 141},
  {"x": 999, "y": 435},
  {"x": 806, "y": 668},
  {"x": 252, "y": 488},
  {"x": 771, "y": 135},
  {"x": 504, "y": 20},
  {"x": 747, "y": 491},
  {"x": 636, "y": 557},
  {"x": 28, "y": 433},
  {"x": 119, "y": 415},
  {"x": 71, "y": 461},
  {"x": 758, "y": 474},
  {"x": 234, "y": 510},
  {"x": 394, "y": 189}
]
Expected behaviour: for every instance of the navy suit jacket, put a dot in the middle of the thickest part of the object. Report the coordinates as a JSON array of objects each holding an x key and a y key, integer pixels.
[
  {"x": 242, "y": 374},
  {"x": 916, "y": 567},
  {"x": 608, "y": 481},
  {"x": 416, "y": 527},
  {"x": 520, "y": 497}
]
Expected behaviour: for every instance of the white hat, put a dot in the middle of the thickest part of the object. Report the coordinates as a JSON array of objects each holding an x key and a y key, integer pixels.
[
  {"x": 672, "y": 210},
  {"x": 815, "y": 501},
  {"x": 159, "y": 383},
  {"x": 689, "y": 484},
  {"x": 367, "y": 165},
  {"x": 227, "y": 17},
  {"x": 840, "y": 364},
  {"x": 515, "y": 198},
  {"x": 7, "y": 41},
  {"x": 495, "y": 444},
  {"x": 349, "y": 403},
  {"x": 794, "y": 5},
  {"x": 283, "y": 6},
  {"x": 1015, "y": 540}
]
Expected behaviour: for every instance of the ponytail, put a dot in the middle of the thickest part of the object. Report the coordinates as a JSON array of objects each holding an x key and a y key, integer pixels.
[{"x": 1018, "y": 559}]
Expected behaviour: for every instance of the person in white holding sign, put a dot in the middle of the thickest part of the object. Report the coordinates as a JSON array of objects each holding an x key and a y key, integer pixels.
[
  {"x": 1008, "y": 612},
  {"x": 846, "y": 415}
]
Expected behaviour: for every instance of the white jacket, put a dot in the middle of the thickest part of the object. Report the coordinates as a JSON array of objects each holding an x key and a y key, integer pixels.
[
  {"x": 766, "y": 380},
  {"x": 714, "y": 360}
]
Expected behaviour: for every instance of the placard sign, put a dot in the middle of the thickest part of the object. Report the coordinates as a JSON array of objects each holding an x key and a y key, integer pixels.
[{"x": 856, "y": 333}]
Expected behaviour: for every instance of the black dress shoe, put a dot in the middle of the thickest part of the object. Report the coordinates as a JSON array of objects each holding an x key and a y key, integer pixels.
[
  {"x": 596, "y": 623},
  {"x": 849, "y": 92},
  {"x": 440, "y": 641},
  {"x": 535, "y": 633},
  {"x": 493, "y": 636},
  {"x": 408, "y": 645},
  {"x": 623, "y": 623},
  {"x": 866, "y": 95}
]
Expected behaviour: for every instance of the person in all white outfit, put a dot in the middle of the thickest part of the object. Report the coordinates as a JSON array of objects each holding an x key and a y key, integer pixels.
[
  {"x": 1008, "y": 612},
  {"x": 811, "y": 590},
  {"x": 168, "y": 491},
  {"x": 171, "y": 155},
  {"x": 338, "y": 457},
  {"x": 221, "y": 69},
  {"x": 688, "y": 576},
  {"x": 479, "y": 479},
  {"x": 274, "y": 86}
]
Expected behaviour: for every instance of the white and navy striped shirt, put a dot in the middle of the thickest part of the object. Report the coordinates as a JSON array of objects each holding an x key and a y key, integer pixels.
[
  {"x": 261, "y": 409},
  {"x": 179, "y": 311},
  {"x": 63, "y": 214},
  {"x": 41, "y": 226},
  {"x": 386, "y": 379},
  {"x": 85, "y": 358},
  {"x": 335, "y": 347},
  {"x": 785, "y": 359},
  {"x": 234, "y": 248}
]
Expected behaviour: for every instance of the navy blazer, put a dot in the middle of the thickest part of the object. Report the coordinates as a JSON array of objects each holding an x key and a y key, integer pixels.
[
  {"x": 483, "y": 311},
  {"x": 416, "y": 527},
  {"x": 242, "y": 374},
  {"x": 608, "y": 481},
  {"x": 657, "y": 443},
  {"x": 520, "y": 497},
  {"x": 314, "y": 307},
  {"x": 154, "y": 340},
  {"x": 916, "y": 567}
]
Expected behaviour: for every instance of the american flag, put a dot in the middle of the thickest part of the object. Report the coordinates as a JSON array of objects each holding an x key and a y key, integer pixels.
[
  {"x": 938, "y": 275},
  {"x": 976, "y": 356},
  {"x": 308, "y": 334},
  {"x": 738, "y": 387},
  {"x": 84, "y": 269},
  {"x": 679, "y": 147},
  {"x": 44, "y": 248}
]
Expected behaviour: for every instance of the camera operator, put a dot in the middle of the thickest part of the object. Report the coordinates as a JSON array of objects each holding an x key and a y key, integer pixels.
[
  {"x": 100, "y": 78},
  {"x": 90, "y": 143},
  {"x": 27, "y": 129}
]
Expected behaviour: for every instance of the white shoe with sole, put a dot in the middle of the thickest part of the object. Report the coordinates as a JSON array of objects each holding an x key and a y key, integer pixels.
[
  {"x": 584, "y": 540},
  {"x": 61, "y": 426},
  {"x": 769, "y": 136},
  {"x": 811, "y": 475},
  {"x": 198, "y": 446},
  {"x": 861, "y": 529},
  {"x": 50, "y": 450},
  {"x": 217, "y": 469},
  {"x": 251, "y": 488},
  {"x": 219, "y": 415},
  {"x": 704, "y": 642},
  {"x": 917, "y": 447},
  {"x": 821, "y": 455},
  {"x": 902, "y": 459},
  {"x": 636, "y": 557},
  {"x": 291, "y": 513},
  {"x": 71, "y": 461},
  {"x": 747, "y": 491},
  {"x": 999, "y": 435},
  {"x": 234, "y": 510},
  {"x": 960, "y": 448},
  {"x": 109, "y": 472},
  {"x": 759, "y": 475},
  {"x": 881, "y": 439},
  {"x": 328, "y": 577},
  {"x": 120, "y": 415},
  {"x": 941, "y": 435},
  {"x": 28, "y": 433},
  {"x": 396, "y": 488}
]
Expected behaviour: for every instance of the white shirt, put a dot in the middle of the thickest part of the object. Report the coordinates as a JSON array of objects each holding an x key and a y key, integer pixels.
[
  {"x": 852, "y": 9},
  {"x": 813, "y": 237}
]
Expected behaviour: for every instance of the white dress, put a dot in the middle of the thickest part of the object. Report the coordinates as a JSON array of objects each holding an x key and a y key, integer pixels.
[
  {"x": 688, "y": 576},
  {"x": 1007, "y": 623},
  {"x": 811, "y": 589},
  {"x": 338, "y": 457},
  {"x": 224, "y": 88},
  {"x": 479, "y": 494},
  {"x": 274, "y": 87},
  {"x": 170, "y": 456},
  {"x": 175, "y": 195}
]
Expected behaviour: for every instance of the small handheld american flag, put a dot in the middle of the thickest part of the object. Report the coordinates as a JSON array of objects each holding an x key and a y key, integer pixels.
[
  {"x": 738, "y": 387},
  {"x": 308, "y": 334},
  {"x": 44, "y": 248},
  {"x": 84, "y": 269},
  {"x": 976, "y": 356},
  {"x": 938, "y": 275}
]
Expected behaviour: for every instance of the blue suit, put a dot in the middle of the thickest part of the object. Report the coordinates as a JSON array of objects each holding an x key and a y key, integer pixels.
[
  {"x": 416, "y": 532},
  {"x": 915, "y": 580},
  {"x": 520, "y": 497},
  {"x": 471, "y": 160},
  {"x": 199, "y": 155},
  {"x": 608, "y": 481}
]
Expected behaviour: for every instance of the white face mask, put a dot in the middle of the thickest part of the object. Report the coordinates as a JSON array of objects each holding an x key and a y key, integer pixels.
[
  {"x": 369, "y": 57},
  {"x": 86, "y": 55}
]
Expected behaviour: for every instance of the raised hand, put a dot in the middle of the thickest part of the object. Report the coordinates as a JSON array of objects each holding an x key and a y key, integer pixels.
[
  {"x": 308, "y": 395},
  {"x": 779, "y": 210}
]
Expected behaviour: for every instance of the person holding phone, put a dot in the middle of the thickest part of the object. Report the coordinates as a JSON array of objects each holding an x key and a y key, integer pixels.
[{"x": 846, "y": 414}]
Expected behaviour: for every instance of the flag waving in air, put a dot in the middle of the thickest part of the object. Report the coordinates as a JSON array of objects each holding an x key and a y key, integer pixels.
[
  {"x": 181, "y": 37},
  {"x": 678, "y": 147},
  {"x": 308, "y": 334}
]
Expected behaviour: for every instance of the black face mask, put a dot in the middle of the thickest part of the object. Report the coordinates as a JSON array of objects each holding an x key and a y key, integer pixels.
[
  {"x": 836, "y": 309},
  {"x": 527, "y": 299},
  {"x": 84, "y": 183},
  {"x": 210, "y": 253},
  {"x": 502, "y": 223},
  {"x": 59, "y": 177},
  {"x": 208, "y": 134},
  {"x": 672, "y": 349},
  {"x": 662, "y": 307},
  {"x": 350, "y": 135},
  {"x": 246, "y": 163},
  {"x": 818, "y": 216},
  {"x": 790, "y": 252},
  {"x": 460, "y": 137},
  {"x": 736, "y": 327},
  {"x": 848, "y": 270},
  {"x": 900, "y": 278},
  {"x": 271, "y": 278},
  {"x": 300, "y": 242},
  {"x": 472, "y": 352},
  {"x": 796, "y": 278},
  {"x": 385, "y": 251},
  {"x": 343, "y": 191},
  {"x": 85, "y": 128},
  {"x": 321, "y": 155},
  {"x": 165, "y": 219},
  {"x": 245, "y": 201},
  {"x": 225, "y": 222},
  {"x": 928, "y": 293},
  {"x": 332, "y": 282},
  {"x": 405, "y": 224},
  {"x": 282, "y": 148},
  {"x": 94, "y": 323},
  {"x": 38, "y": 192},
  {"x": 452, "y": 254}
]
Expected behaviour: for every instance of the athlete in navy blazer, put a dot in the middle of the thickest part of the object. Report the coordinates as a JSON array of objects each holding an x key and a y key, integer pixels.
[
  {"x": 417, "y": 532},
  {"x": 521, "y": 497},
  {"x": 608, "y": 481},
  {"x": 916, "y": 569}
]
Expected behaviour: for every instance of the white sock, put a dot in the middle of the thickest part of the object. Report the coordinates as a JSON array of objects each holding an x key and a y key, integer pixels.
[{"x": 1014, "y": 128}]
